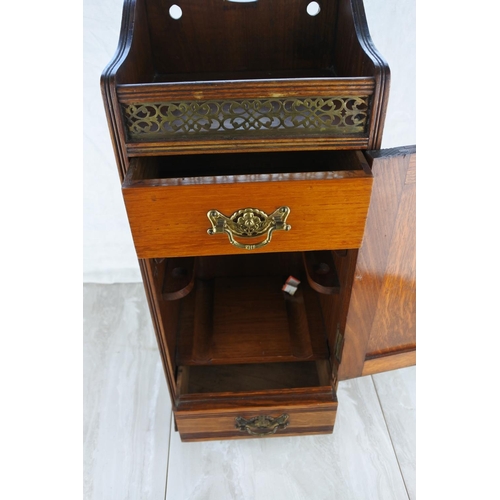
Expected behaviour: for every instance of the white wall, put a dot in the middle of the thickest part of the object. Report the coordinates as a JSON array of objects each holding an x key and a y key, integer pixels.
[
  {"x": 392, "y": 27},
  {"x": 108, "y": 251}
]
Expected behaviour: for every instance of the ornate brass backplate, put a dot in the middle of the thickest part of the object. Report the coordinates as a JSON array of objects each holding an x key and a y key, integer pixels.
[
  {"x": 262, "y": 425},
  {"x": 249, "y": 223},
  {"x": 337, "y": 115}
]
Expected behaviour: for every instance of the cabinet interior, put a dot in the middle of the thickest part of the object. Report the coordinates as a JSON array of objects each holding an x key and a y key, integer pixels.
[{"x": 230, "y": 327}]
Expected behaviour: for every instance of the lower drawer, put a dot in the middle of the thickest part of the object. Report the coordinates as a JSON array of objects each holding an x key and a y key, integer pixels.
[
  {"x": 247, "y": 422},
  {"x": 265, "y": 401}
]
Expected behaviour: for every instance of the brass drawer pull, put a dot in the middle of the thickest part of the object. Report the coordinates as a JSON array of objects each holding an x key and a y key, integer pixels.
[
  {"x": 262, "y": 425},
  {"x": 249, "y": 223}
]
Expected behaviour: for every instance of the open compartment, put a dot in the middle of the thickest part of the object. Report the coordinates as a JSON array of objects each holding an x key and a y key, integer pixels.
[
  {"x": 266, "y": 73},
  {"x": 238, "y": 313},
  {"x": 238, "y": 310}
]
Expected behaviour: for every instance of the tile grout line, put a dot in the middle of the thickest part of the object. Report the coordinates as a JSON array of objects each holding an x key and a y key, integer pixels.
[
  {"x": 390, "y": 436},
  {"x": 168, "y": 453}
]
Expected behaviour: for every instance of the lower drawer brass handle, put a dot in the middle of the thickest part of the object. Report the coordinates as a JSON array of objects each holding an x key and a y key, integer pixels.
[
  {"x": 262, "y": 425},
  {"x": 249, "y": 223}
]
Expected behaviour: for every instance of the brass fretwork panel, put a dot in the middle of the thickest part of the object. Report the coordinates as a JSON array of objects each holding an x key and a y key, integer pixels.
[{"x": 251, "y": 117}]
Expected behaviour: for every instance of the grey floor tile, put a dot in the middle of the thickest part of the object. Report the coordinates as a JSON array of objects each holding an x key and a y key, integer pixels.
[
  {"x": 397, "y": 394},
  {"x": 127, "y": 409}
]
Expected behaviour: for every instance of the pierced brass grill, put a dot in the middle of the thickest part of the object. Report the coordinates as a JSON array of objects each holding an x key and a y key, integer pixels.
[{"x": 253, "y": 117}]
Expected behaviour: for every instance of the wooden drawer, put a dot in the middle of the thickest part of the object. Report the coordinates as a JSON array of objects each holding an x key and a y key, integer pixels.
[
  {"x": 168, "y": 199},
  {"x": 258, "y": 415},
  {"x": 249, "y": 423}
]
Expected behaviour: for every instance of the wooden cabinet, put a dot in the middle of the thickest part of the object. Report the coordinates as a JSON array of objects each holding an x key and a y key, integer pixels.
[{"x": 245, "y": 137}]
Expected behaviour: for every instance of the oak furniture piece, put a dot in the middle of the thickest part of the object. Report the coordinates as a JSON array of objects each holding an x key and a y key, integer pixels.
[{"x": 245, "y": 137}]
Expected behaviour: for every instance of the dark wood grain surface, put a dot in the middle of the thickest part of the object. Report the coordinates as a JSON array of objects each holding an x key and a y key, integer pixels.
[{"x": 252, "y": 377}]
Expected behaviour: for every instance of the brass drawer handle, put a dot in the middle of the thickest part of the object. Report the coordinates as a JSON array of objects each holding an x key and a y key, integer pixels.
[
  {"x": 262, "y": 425},
  {"x": 249, "y": 223}
]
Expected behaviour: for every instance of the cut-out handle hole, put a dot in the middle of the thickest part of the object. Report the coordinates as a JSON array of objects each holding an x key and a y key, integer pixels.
[
  {"x": 322, "y": 268},
  {"x": 175, "y": 12},
  {"x": 313, "y": 8},
  {"x": 177, "y": 272}
]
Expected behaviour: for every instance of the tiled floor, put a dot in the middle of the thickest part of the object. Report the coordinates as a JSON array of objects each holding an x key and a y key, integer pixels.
[{"x": 132, "y": 452}]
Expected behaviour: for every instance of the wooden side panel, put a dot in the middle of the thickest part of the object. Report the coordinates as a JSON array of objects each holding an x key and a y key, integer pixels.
[
  {"x": 335, "y": 307},
  {"x": 394, "y": 325},
  {"x": 164, "y": 314},
  {"x": 381, "y": 316},
  {"x": 138, "y": 62},
  {"x": 355, "y": 55}
]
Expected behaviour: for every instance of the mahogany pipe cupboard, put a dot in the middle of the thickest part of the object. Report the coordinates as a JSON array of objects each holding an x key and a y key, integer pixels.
[{"x": 274, "y": 237}]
